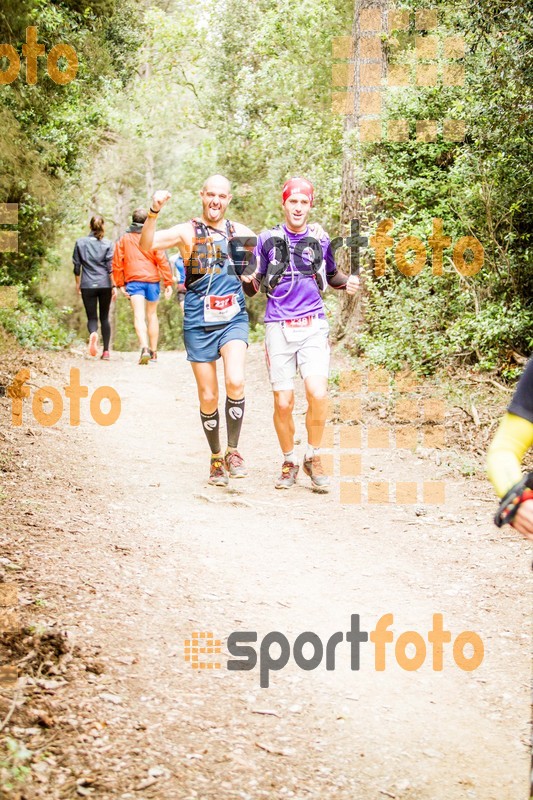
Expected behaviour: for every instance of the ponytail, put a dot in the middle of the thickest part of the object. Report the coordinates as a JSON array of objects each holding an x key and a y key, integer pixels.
[{"x": 97, "y": 226}]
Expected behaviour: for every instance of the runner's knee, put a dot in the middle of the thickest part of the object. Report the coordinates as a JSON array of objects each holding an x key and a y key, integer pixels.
[
  {"x": 235, "y": 386},
  {"x": 317, "y": 390},
  {"x": 208, "y": 397},
  {"x": 284, "y": 403}
]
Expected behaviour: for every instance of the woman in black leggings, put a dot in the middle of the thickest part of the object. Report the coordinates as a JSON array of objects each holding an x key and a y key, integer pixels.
[{"x": 92, "y": 259}]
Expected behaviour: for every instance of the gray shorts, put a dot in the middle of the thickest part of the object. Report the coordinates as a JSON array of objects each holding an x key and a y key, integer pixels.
[{"x": 288, "y": 351}]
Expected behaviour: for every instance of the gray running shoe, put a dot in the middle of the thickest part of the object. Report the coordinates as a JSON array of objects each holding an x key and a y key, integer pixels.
[
  {"x": 289, "y": 473},
  {"x": 320, "y": 481},
  {"x": 145, "y": 356},
  {"x": 234, "y": 464},
  {"x": 217, "y": 473}
]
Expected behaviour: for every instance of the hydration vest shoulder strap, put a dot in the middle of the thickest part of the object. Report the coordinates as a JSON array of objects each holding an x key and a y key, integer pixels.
[{"x": 276, "y": 271}]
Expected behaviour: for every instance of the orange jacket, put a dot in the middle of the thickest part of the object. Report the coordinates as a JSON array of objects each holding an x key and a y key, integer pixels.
[{"x": 130, "y": 263}]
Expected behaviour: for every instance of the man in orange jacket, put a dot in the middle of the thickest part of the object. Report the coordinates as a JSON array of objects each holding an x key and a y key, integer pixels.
[{"x": 138, "y": 275}]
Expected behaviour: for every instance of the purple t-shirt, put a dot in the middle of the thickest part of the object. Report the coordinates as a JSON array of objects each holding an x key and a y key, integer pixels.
[{"x": 297, "y": 293}]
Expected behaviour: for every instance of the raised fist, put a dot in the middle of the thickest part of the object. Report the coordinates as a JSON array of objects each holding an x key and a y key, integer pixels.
[
  {"x": 159, "y": 199},
  {"x": 352, "y": 284}
]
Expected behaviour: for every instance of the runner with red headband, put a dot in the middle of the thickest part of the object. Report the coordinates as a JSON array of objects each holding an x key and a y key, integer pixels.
[{"x": 293, "y": 268}]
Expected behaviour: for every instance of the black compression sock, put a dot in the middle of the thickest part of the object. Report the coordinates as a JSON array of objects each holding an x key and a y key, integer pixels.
[
  {"x": 234, "y": 418},
  {"x": 211, "y": 426}
]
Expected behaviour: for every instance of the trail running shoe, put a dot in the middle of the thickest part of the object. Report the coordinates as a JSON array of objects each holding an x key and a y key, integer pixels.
[
  {"x": 105, "y": 356},
  {"x": 289, "y": 473},
  {"x": 217, "y": 473},
  {"x": 93, "y": 343},
  {"x": 145, "y": 356},
  {"x": 153, "y": 356},
  {"x": 234, "y": 463},
  {"x": 319, "y": 480}
]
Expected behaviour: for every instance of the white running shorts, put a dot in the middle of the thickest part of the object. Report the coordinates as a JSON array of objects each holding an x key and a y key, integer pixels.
[{"x": 287, "y": 351}]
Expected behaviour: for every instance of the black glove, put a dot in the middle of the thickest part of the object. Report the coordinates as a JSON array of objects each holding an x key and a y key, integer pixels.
[{"x": 521, "y": 491}]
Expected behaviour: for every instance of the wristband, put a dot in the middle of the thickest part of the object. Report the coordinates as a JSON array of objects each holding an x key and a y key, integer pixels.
[{"x": 152, "y": 213}]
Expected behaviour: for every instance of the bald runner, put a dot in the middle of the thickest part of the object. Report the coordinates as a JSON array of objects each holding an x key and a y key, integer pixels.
[{"x": 215, "y": 323}]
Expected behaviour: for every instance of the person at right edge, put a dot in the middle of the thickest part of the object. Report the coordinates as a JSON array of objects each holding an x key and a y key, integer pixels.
[
  {"x": 511, "y": 442},
  {"x": 293, "y": 267}
]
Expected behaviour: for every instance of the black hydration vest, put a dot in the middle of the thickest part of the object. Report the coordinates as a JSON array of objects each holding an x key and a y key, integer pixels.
[{"x": 206, "y": 255}]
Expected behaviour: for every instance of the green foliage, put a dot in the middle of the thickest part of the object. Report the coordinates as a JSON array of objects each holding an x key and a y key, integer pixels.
[
  {"x": 425, "y": 321},
  {"x": 50, "y": 130},
  {"x": 168, "y": 94},
  {"x": 270, "y": 102},
  {"x": 479, "y": 187},
  {"x": 37, "y": 323},
  {"x": 13, "y": 769}
]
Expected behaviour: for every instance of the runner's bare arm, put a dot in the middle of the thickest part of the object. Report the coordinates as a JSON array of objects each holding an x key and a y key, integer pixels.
[
  {"x": 160, "y": 240},
  {"x": 242, "y": 230},
  {"x": 170, "y": 237}
]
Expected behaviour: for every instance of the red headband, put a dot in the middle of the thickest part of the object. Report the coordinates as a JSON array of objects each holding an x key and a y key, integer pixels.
[{"x": 298, "y": 186}]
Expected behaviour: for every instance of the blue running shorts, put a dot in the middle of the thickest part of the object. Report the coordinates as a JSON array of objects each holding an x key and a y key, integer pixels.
[
  {"x": 203, "y": 344},
  {"x": 150, "y": 291}
]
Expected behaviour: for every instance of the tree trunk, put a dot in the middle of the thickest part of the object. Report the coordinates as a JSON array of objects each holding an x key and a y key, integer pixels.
[{"x": 370, "y": 20}]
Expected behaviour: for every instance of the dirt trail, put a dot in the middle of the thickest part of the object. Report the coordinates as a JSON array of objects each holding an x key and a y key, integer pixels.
[{"x": 129, "y": 550}]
